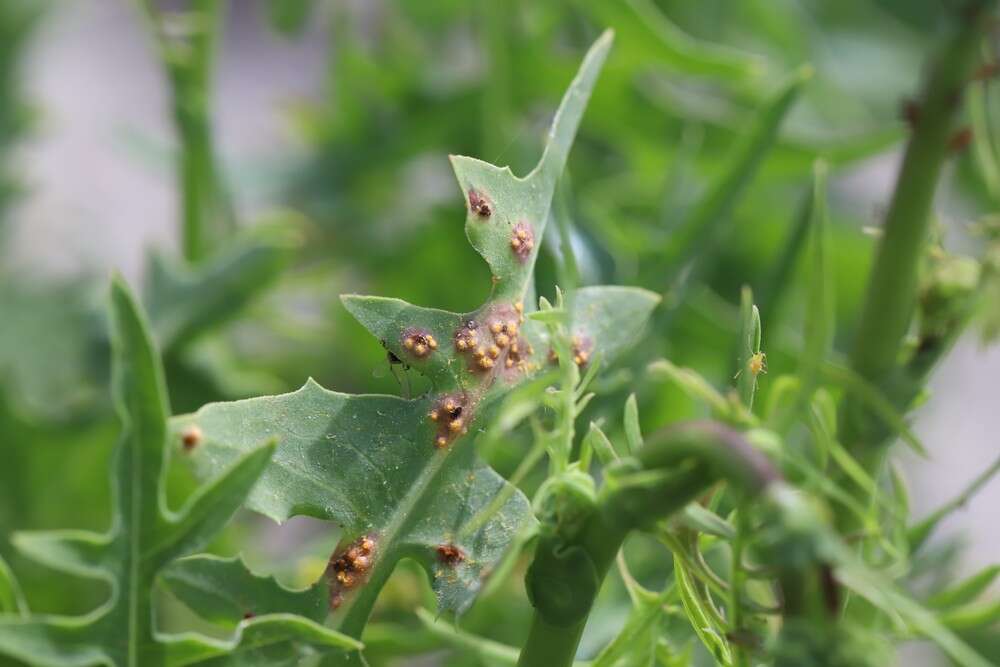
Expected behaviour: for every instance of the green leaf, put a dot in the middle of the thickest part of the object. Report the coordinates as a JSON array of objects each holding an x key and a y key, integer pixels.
[
  {"x": 751, "y": 361},
  {"x": 698, "y": 230},
  {"x": 636, "y": 643},
  {"x": 144, "y": 535},
  {"x": 11, "y": 599},
  {"x": 400, "y": 475},
  {"x": 652, "y": 33},
  {"x": 225, "y": 591},
  {"x": 633, "y": 432},
  {"x": 369, "y": 463},
  {"x": 965, "y": 591},
  {"x": 711, "y": 637},
  {"x": 819, "y": 325}
]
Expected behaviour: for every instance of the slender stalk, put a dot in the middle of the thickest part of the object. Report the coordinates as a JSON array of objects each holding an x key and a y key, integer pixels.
[
  {"x": 671, "y": 469},
  {"x": 737, "y": 579},
  {"x": 892, "y": 287},
  {"x": 189, "y": 58}
]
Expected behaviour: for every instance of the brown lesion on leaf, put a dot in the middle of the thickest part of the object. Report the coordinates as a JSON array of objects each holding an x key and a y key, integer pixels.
[
  {"x": 522, "y": 241},
  {"x": 419, "y": 342},
  {"x": 349, "y": 567},
  {"x": 449, "y": 554},
  {"x": 451, "y": 413},
  {"x": 191, "y": 437},
  {"x": 480, "y": 204},
  {"x": 493, "y": 341}
]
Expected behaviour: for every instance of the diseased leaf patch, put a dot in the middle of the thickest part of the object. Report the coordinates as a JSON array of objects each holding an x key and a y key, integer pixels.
[{"x": 404, "y": 474}]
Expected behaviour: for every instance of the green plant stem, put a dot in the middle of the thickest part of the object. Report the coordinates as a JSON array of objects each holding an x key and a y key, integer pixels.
[
  {"x": 188, "y": 61},
  {"x": 737, "y": 578},
  {"x": 892, "y": 287},
  {"x": 671, "y": 469}
]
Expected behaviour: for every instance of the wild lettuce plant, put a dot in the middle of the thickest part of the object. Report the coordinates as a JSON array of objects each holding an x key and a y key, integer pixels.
[{"x": 780, "y": 535}]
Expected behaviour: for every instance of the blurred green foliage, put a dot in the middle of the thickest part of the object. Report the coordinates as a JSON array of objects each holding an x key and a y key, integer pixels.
[{"x": 374, "y": 210}]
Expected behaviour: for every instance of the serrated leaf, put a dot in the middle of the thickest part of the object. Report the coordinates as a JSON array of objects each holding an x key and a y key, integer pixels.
[
  {"x": 144, "y": 535},
  {"x": 400, "y": 475},
  {"x": 369, "y": 463},
  {"x": 225, "y": 591}
]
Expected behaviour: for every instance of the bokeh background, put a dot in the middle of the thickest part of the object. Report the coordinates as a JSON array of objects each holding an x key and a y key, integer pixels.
[{"x": 341, "y": 128}]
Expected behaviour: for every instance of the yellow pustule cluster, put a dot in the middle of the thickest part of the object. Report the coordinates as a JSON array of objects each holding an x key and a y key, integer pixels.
[{"x": 420, "y": 344}]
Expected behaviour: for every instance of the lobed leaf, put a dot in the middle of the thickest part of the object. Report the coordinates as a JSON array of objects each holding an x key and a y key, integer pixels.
[
  {"x": 144, "y": 535},
  {"x": 401, "y": 475}
]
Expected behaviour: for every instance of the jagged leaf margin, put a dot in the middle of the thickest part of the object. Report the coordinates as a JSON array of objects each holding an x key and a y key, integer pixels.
[
  {"x": 144, "y": 536},
  {"x": 398, "y": 474}
]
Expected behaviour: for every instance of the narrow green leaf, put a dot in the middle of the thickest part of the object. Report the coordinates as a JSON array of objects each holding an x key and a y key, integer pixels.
[
  {"x": 698, "y": 230},
  {"x": 819, "y": 324},
  {"x": 699, "y": 617},
  {"x": 875, "y": 400},
  {"x": 654, "y": 33},
  {"x": 966, "y": 590},
  {"x": 972, "y": 616},
  {"x": 11, "y": 599},
  {"x": 225, "y": 591},
  {"x": 706, "y": 521},
  {"x": 599, "y": 442},
  {"x": 633, "y": 432},
  {"x": 751, "y": 360}
]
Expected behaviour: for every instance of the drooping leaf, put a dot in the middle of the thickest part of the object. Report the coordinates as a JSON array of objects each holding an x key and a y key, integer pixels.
[{"x": 144, "y": 535}]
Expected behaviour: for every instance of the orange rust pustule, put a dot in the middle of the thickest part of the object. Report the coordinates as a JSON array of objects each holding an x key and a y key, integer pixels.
[
  {"x": 449, "y": 554},
  {"x": 492, "y": 343},
  {"x": 480, "y": 204},
  {"x": 191, "y": 437},
  {"x": 522, "y": 241},
  {"x": 452, "y": 414},
  {"x": 419, "y": 342},
  {"x": 349, "y": 567},
  {"x": 581, "y": 350}
]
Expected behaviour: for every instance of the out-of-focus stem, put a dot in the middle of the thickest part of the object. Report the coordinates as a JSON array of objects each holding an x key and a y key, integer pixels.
[{"x": 892, "y": 286}]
